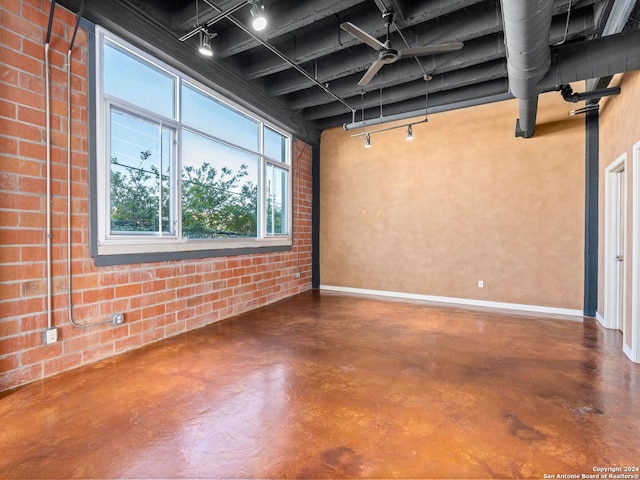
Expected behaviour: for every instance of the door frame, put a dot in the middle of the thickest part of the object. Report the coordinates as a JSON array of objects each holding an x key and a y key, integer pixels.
[
  {"x": 631, "y": 344},
  {"x": 612, "y": 194}
]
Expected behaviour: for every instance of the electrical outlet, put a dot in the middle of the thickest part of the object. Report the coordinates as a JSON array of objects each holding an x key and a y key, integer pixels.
[
  {"x": 297, "y": 274},
  {"x": 480, "y": 283},
  {"x": 117, "y": 319},
  {"x": 50, "y": 335}
]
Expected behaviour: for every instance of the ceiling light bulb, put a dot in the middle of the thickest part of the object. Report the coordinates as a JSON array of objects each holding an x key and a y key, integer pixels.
[
  {"x": 367, "y": 141},
  {"x": 259, "y": 22},
  {"x": 205, "y": 49},
  {"x": 205, "y": 44},
  {"x": 409, "y": 134}
]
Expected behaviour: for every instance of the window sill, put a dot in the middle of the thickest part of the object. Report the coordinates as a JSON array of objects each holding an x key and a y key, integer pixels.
[{"x": 126, "y": 253}]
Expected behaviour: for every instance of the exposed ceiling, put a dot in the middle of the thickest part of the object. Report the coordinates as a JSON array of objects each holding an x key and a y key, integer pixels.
[{"x": 308, "y": 33}]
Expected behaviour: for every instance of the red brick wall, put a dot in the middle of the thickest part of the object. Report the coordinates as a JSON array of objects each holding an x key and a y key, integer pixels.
[{"x": 160, "y": 299}]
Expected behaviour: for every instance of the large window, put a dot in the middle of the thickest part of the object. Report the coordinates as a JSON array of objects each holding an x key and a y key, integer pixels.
[{"x": 180, "y": 168}]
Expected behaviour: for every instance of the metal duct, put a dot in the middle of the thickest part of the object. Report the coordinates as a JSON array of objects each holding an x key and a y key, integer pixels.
[
  {"x": 594, "y": 58},
  {"x": 533, "y": 67},
  {"x": 526, "y": 124},
  {"x": 527, "y": 24}
]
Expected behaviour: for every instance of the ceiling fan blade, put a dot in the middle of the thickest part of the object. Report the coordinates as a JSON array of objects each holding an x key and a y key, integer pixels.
[
  {"x": 373, "y": 69},
  {"x": 429, "y": 49},
  {"x": 362, "y": 35}
]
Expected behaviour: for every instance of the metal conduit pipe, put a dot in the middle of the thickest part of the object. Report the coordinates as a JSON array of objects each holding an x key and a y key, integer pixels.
[
  {"x": 570, "y": 96},
  {"x": 283, "y": 57},
  {"x": 47, "y": 86},
  {"x": 527, "y": 24},
  {"x": 431, "y": 110},
  {"x": 213, "y": 21},
  {"x": 69, "y": 230}
]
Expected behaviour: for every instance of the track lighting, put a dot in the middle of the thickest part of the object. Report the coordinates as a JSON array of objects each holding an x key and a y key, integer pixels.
[
  {"x": 409, "y": 133},
  {"x": 205, "y": 43},
  {"x": 367, "y": 141},
  {"x": 259, "y": 21}
]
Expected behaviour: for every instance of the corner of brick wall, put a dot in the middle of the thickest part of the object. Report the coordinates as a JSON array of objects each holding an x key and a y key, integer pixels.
[{"x": 160, "y": 299}]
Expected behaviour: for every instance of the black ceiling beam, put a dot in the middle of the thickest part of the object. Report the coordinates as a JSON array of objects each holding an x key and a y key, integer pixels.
[
  {"x": 394, "y": 79},
  {"x": 447, "y": 97},
  {"x": 475, "y": 51},
  {"x": 415, "y": 89},
  {"x": 184, "y": 18},
  {"x": 472, "y": 22},
  {"x": 357, "y": 59},
  {"x": 330, "y": 40},
  {"x": 282, "y": 21}
]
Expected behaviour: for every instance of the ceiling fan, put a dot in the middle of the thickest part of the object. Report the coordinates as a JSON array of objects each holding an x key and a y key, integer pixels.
[{"x": 388, "y": 54}]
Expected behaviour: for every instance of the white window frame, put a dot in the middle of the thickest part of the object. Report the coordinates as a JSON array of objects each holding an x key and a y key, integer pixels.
[{"x": 124, "y": 244}]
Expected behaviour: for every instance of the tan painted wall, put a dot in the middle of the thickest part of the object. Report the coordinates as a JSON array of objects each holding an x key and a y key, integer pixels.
[
  {"x": 619, "y": 132},
  {"x": 464, "y": 201}
]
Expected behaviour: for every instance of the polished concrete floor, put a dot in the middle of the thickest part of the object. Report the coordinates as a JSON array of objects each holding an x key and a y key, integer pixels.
[{"x": 332, "y": 386}]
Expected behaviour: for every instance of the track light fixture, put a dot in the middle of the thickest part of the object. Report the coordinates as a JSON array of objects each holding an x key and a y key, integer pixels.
[
  {"x": 408, "y": 126},
  {"x": 205, "y": 43},
  {"x": 409, "y": 133},
  {"x": 259, "y": 20}
]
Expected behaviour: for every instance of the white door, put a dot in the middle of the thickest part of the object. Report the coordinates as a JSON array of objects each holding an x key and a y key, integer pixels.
[
  {"x": 631, "y": 341},
  {"x": 614, "y": 244},
  {"x": 620, "y": 222}
]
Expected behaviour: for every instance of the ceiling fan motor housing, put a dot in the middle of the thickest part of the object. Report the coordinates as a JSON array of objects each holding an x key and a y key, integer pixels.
[{"x": 388, "y": 55}]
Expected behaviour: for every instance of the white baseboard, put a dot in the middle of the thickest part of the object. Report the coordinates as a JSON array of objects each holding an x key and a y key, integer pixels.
[
  {"x": 456, "y": 301},
  {"x": 600, "y": 319},
  {"x": 628, "y": 351}
]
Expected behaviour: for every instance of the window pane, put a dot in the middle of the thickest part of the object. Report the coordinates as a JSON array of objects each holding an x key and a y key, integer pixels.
[
  {"x": 137, "y": 158},
  {"x": 204, "y": 113},
  {"x": 169, "y": 183},
  {"x": 132, "y": 79},
  {"x": 219, "y": 189},
  {"x": 276, "y": 146},
  {"x": 277, "y": 200}
]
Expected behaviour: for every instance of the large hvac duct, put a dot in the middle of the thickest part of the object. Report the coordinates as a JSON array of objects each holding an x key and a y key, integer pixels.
[
  {"x": 592, "y": 59},
  {"x": 534, "y": 67},
  {"x": 527, "y": 24}
]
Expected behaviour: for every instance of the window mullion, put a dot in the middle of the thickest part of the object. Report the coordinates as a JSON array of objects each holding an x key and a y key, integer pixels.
[
  {"x": 160, "y": 189},
  {"x": 262, "y": 223}
]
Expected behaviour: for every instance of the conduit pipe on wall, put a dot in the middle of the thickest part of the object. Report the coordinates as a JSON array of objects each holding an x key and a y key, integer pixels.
[
  {"x": 47, "y": 87},
  {"x": 527, "y": 24},
  {"x": 69, "y": 229}
]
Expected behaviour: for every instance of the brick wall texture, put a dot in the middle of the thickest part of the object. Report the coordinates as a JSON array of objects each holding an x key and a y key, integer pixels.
[{"x": 160, "y": 299}]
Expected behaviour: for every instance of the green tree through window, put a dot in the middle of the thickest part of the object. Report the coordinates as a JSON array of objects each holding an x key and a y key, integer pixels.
[
  {"x": 135, "y": 194},
  {"x": 214, "y": 202},
  {"x": 213, "y": 208}
]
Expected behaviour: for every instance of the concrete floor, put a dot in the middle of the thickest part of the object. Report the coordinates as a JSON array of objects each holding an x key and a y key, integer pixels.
[{"x": 333, "y": 386}]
